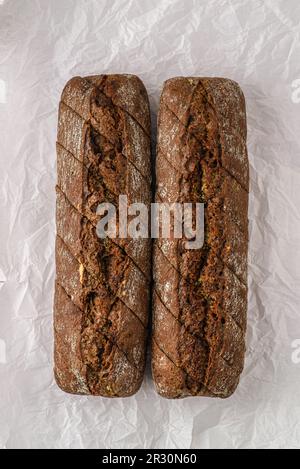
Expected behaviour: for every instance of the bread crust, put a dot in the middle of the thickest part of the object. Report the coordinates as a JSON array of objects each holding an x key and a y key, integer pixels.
[
  {"x": 200, "y": 296},
  {"x": 102, "y": 285}
]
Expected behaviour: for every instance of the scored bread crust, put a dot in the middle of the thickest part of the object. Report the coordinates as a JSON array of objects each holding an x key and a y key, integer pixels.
[
  {"x": 200, "y": 296},
  {"x": 102, "y": 285}
]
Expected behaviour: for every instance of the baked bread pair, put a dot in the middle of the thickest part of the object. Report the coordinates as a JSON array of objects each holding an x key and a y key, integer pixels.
[{"x": 103, "y": 285}]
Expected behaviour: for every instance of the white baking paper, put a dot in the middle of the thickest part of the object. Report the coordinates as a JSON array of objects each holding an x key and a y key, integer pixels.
[{"x": 42, "y": 44}]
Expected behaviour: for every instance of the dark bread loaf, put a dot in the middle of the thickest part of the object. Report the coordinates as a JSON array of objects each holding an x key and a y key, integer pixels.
[
  {"x": 200, "y": 296},
  {"x": 102, "y": 285}
]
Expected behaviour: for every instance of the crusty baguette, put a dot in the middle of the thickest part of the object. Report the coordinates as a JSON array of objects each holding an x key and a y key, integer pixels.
[
  {"x": 200, "y": 296},
  {"x": 102, "y": 285}
]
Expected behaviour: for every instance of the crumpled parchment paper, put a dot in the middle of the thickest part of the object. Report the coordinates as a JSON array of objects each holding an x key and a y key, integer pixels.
[{"x": 42, "y": 45}]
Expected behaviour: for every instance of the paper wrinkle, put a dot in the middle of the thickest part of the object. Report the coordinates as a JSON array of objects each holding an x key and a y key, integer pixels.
[{"x": 41, "y": 46}]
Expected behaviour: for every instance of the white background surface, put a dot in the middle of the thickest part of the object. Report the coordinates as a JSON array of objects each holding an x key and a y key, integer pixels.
[{"x": 44, "y": 43}]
